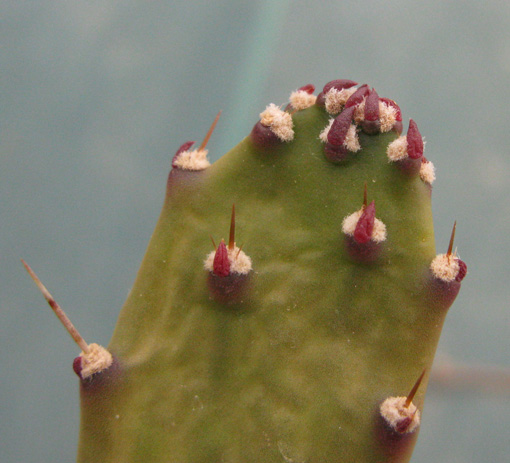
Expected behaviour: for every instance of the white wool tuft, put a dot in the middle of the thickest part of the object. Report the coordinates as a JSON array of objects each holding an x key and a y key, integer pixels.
[
  {"x": 324, "y": 134},
  {"x": 300, "y": 99},
  {"x": 335, "y": 99},
  {"x": 397, "y": 149},
  {"x": 445, "y": 267},
  {"x": 279, "y": 121},
  {"x": 95, "y": 360},
  {"x": 394, "y": 411},
  {"x": 192, "y": 160},
  {"x": 351, "y": 141},
  {"x": 427, "y": 172},
  {"x": 387, "y": 116}
]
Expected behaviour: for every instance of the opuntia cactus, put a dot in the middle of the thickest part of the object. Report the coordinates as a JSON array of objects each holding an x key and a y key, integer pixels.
[{"x": 290, "y": 301}]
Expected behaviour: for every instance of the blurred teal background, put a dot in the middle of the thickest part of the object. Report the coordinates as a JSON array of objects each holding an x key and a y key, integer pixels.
[{"x": 96, "y": 96}]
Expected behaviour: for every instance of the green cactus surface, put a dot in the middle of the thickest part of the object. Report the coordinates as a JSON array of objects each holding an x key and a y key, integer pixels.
[{"x": 285, "y": 348}]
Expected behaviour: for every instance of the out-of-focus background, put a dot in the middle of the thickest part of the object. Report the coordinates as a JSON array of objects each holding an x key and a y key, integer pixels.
[{"x": 96, "y": 96}]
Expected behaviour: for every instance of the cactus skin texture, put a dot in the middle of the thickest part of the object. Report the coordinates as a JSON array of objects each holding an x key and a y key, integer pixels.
[{"x": 288, "y": 361}]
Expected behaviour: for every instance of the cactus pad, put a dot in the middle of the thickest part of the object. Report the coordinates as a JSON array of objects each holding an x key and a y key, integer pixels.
[{"x": 281, "y": 341}]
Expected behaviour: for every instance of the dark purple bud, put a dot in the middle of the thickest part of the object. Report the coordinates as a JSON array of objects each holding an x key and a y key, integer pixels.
[
  {"x": 365, "y": 225},
  {"x": 357, "y": 97},
  {"x": 403, "y": 425},
  {"x": 308, "y": 88},
  {"x": 462, "y": 271},
  {"x": 221, "y": 264},
  {"x": 371, "y": 123},
  {"x": 338, "y": 84},
  {"x": 340, "y": 127},
  {"x": 414, "y": 141},
  {"x": 184, "y": 147},
  {"x": 372, "y": 106},
  {"x": 77, "y": 366}
]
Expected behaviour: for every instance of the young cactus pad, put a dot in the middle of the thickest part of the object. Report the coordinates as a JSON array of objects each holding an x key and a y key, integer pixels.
[{"x": 306, "y": 333}]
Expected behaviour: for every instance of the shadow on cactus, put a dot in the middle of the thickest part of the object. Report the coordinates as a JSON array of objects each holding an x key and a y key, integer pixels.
[{"x": 290, "y": 301}]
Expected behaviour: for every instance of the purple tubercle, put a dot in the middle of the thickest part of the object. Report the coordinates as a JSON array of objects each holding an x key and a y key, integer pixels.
[
  {"x": 443, "y": 293},
  {"x": 263, "y": 136},
  {"x": 335, "y": 153},
  {"x": 363, "y": 252},
  {"x": 233, "y": 289}
]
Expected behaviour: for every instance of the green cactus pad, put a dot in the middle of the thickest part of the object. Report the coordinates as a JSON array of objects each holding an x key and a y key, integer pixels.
[{"x": 293, "y": 365}]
